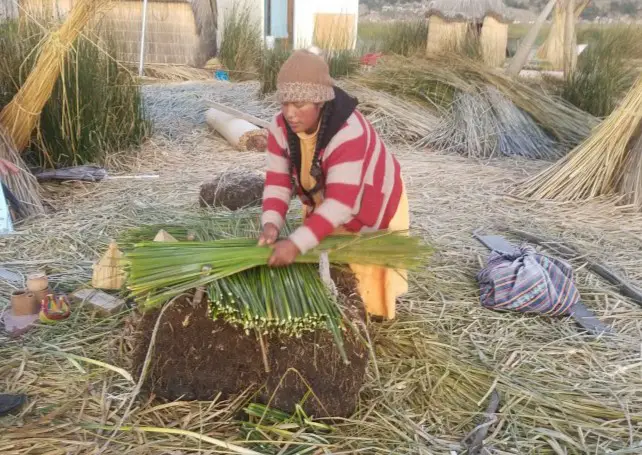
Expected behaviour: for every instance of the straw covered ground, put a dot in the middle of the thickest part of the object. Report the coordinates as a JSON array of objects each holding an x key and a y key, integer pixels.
[{"x": 434, "y": 368}]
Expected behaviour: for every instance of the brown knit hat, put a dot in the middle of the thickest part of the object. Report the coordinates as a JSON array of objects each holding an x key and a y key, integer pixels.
[{"x": 304, "y": 77}]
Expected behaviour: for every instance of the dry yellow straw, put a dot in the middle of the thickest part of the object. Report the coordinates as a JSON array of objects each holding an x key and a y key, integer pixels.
[
  {"x": 23, "y": 185},
  {"x": 552, "y": 50},
  {"x": 631, "y": 186},
  {"x": 598, "y": 165},
  {"x": 21, "y": 115}
]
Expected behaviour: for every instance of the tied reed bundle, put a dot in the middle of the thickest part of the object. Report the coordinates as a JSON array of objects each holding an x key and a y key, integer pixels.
[
  {"x": 597, "y": 166},
  {"x": 631, "y": 186},
  {"x": 161, "y": 271},
  {"x": 23, "y": 185},
  {"x": 21, "y": 115},
  {"x": 436, "y": 79}
]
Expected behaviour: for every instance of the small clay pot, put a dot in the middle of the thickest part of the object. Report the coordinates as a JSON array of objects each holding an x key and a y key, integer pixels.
[
  {"x": 37, "y": 282},
  {"x": 41, "y": 294},
  {"x": 24, "y": 303}
]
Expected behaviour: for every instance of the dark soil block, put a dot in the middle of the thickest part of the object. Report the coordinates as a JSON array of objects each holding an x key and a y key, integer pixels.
[
  {"x": 196, "y": 358},
  {"x": 234, "y": 190}
]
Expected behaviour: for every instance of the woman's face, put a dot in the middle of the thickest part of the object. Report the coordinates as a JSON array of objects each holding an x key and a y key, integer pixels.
[{"x": 302, "y": 117}]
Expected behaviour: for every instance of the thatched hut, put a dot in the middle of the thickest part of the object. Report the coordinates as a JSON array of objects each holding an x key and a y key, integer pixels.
[
  {"x": 179, "y": 32},
  {"x": 453, "y": 23},
  {"x": 301, "y": 23}
]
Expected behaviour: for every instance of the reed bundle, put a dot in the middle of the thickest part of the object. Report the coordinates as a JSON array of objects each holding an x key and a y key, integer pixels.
[
  {"x": 486, "y": 124},
  {"x": 23, "y": 185},
  {"x": 434, "y": 80},
  {"x": 395, "y": 119},
  {"x": 632, "y": 183},
  {"x": 161, "y": 271},
  {"x": 597, "y": 166},
  {"x": 290, "y": 301},
  {"x": 21, "y": 115}
]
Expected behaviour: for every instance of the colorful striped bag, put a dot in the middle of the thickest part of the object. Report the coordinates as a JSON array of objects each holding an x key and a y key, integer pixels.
[{"x": 528, "y": 282}]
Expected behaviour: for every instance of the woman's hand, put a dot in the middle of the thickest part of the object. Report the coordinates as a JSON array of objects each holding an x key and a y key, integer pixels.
[
  {"x": 7, "y": 168},
  {"x": 283, "y": 254},
  {"x": 269, "y": 234}
]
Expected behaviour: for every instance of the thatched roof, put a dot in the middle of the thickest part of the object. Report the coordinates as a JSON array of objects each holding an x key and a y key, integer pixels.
[{"x": 468, "y": 10}]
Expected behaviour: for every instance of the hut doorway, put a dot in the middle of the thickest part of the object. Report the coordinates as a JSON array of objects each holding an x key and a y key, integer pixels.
[{"x": 279, "y": 21}]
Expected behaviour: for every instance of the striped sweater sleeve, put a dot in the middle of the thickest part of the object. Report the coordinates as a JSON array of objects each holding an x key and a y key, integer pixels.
[
  {"x": 345, "y": 161},
  {"x": 278, "y": 186}
]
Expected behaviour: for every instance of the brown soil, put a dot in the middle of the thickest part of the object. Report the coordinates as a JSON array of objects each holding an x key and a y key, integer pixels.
[
  {"x": 234, "y": 190},
  {"x": 196, "y": 358}
]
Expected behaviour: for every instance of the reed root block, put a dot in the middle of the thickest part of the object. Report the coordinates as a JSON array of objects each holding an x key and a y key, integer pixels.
[
  {"x": 196, "y": 358},
  {"x": 233, "y": 190}
]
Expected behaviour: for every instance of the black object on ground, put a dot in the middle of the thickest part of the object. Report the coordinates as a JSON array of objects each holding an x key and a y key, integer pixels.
[{"x": 10, "y": 403}]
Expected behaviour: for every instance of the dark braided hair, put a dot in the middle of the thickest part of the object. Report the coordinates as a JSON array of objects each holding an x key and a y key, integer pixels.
[{"x": 295, "y": 152}]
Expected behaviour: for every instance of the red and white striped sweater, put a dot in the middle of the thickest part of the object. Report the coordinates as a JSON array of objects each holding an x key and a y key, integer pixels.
[{"x": 362, "y": 183}]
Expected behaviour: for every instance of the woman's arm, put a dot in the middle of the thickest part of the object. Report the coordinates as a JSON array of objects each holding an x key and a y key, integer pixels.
[{"x": 278, "y": 185}]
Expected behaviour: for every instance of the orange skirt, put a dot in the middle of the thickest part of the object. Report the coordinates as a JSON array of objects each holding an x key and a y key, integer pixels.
[{"x": 379, "y": 287}]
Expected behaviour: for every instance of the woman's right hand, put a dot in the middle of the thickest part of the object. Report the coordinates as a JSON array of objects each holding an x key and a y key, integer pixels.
[{"x": 269, "y": 235}]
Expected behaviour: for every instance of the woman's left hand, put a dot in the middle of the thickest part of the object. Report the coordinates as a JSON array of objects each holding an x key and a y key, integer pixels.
[{"x": 284, "y": 253}]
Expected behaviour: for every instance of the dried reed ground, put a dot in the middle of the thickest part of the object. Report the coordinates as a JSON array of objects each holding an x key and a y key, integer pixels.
[{"x": 434, "y": 364}]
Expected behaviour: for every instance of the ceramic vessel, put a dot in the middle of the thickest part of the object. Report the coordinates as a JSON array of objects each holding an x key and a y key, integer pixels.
[
  {"x": 40, "y": 295},
  {"x": 37, "y": 282},
  {"x": 24, "y": 303}
]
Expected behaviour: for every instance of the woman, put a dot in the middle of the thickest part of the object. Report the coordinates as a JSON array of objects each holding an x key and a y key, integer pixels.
[{"x": 321, "y": 145}]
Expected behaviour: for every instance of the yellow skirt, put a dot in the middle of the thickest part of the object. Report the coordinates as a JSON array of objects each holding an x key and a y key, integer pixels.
[{"x": 379, "y": 287}]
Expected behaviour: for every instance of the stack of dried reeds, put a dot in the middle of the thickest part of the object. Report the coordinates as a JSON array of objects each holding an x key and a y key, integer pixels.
[
  {"x": 485, "y": 124},
  {"x": 21, "y": 115},
  {"x": 23, "y": 185},
  {"x": 435, "y": 81},
  {"x": 395, "y": 119},
  {"x": 607, "y": 163}
]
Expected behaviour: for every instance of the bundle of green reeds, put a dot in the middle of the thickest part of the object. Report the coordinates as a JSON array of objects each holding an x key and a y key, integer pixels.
[
  {"x": 289, "y": 301},
  {"x": 161, "y": 271}
]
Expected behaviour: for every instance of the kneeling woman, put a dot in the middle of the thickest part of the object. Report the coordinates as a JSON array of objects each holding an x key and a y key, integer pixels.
[{"x": 321, "y": 145}]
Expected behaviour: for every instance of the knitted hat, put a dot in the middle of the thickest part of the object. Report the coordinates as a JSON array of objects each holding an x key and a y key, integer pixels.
[{"x": 304, "y": 77}]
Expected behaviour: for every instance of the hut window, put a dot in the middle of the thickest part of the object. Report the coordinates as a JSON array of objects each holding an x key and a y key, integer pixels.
[{"x": 276, "y": 13}]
